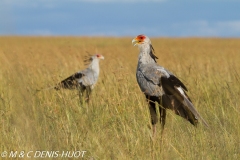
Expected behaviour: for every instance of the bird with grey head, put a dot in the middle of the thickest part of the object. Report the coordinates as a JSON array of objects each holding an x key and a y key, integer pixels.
[{"x": 84, "y": 80}]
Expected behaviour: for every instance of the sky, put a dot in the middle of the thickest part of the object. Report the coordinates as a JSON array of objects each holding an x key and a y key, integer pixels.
[{"x": 155, "y": 18}]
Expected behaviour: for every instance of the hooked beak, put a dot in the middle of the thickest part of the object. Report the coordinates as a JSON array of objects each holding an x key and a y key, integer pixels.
[
  {"x": 101, "y": 57},
  {"x": 135, "y": 41}
]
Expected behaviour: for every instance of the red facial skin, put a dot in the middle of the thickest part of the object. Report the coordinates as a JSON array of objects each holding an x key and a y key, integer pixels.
[{"x": 140, "y": 38}]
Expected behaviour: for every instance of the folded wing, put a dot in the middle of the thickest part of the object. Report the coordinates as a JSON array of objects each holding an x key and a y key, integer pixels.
[
  {"x": 72, "y": 82},
  {"x": 173, "y": 94}
]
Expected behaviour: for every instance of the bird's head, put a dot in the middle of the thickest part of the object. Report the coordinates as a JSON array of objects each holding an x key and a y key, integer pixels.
[
  {"x": 89, "y": 58},
  {"x": 141, "y": 39},
  {"x": 144, "y": 43},
  {"x": 99, "y": 56}
]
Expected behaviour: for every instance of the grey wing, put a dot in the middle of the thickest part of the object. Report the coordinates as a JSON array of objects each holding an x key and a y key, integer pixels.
[
  {"x": 156, "y": 75},
  {"x": 89, "y": 79},
  {"x": 149, "y": 79},
  {"x": 153, "y": 73},
  {"x": 158, "y": 81}
]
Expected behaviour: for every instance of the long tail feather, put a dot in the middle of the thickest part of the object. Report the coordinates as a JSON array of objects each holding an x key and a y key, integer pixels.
[
  {"x": 52, "y": 87},
  {"x": 189, "y": 105}
]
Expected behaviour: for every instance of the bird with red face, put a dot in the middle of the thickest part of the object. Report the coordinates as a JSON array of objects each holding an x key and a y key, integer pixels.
[{"x": 161, "y": 86}]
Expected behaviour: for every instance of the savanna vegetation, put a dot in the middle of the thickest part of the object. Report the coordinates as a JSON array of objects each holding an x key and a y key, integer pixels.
[{"x": 115, "y": 124}]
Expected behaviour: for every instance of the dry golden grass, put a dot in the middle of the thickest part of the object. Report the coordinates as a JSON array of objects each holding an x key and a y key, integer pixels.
[{"x": 115, "y": 123}]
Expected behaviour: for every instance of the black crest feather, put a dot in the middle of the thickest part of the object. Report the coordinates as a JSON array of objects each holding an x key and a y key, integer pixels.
[
  {"x": 87, "y": 59},
  {"x": 152, "y": 53}
]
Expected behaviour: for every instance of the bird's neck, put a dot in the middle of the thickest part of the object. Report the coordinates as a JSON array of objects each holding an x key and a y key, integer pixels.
[
  {"x": 95, "y": 66},
  {"x": 144, "y": 54}
]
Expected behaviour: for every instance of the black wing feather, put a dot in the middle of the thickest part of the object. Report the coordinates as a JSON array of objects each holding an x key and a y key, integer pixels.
[
  {"x": 181, "y": 104},
  {"x": 152, "y": 54},
  {"x": 71, "y": 82}
]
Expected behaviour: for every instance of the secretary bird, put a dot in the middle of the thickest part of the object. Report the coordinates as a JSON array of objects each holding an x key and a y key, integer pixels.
[
  {"x": 161, "y": 86},
  {"x": 84, "y": 80}
]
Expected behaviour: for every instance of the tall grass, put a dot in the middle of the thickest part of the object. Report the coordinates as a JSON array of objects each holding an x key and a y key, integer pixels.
[{"x": 115, "y": 124}]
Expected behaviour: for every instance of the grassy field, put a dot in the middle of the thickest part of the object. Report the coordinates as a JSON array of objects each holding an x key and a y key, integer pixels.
[{"x": 115, "y": 124}]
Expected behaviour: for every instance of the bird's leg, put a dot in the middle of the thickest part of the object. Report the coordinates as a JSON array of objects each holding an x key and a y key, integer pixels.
[
  {"x": 80, "y": 94},
  {"x": 88, "y": 92},
  {"x": 154, "y": 129},
  {"x": 153, "y": 114},
  {"x": 162, "y": 117}
]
